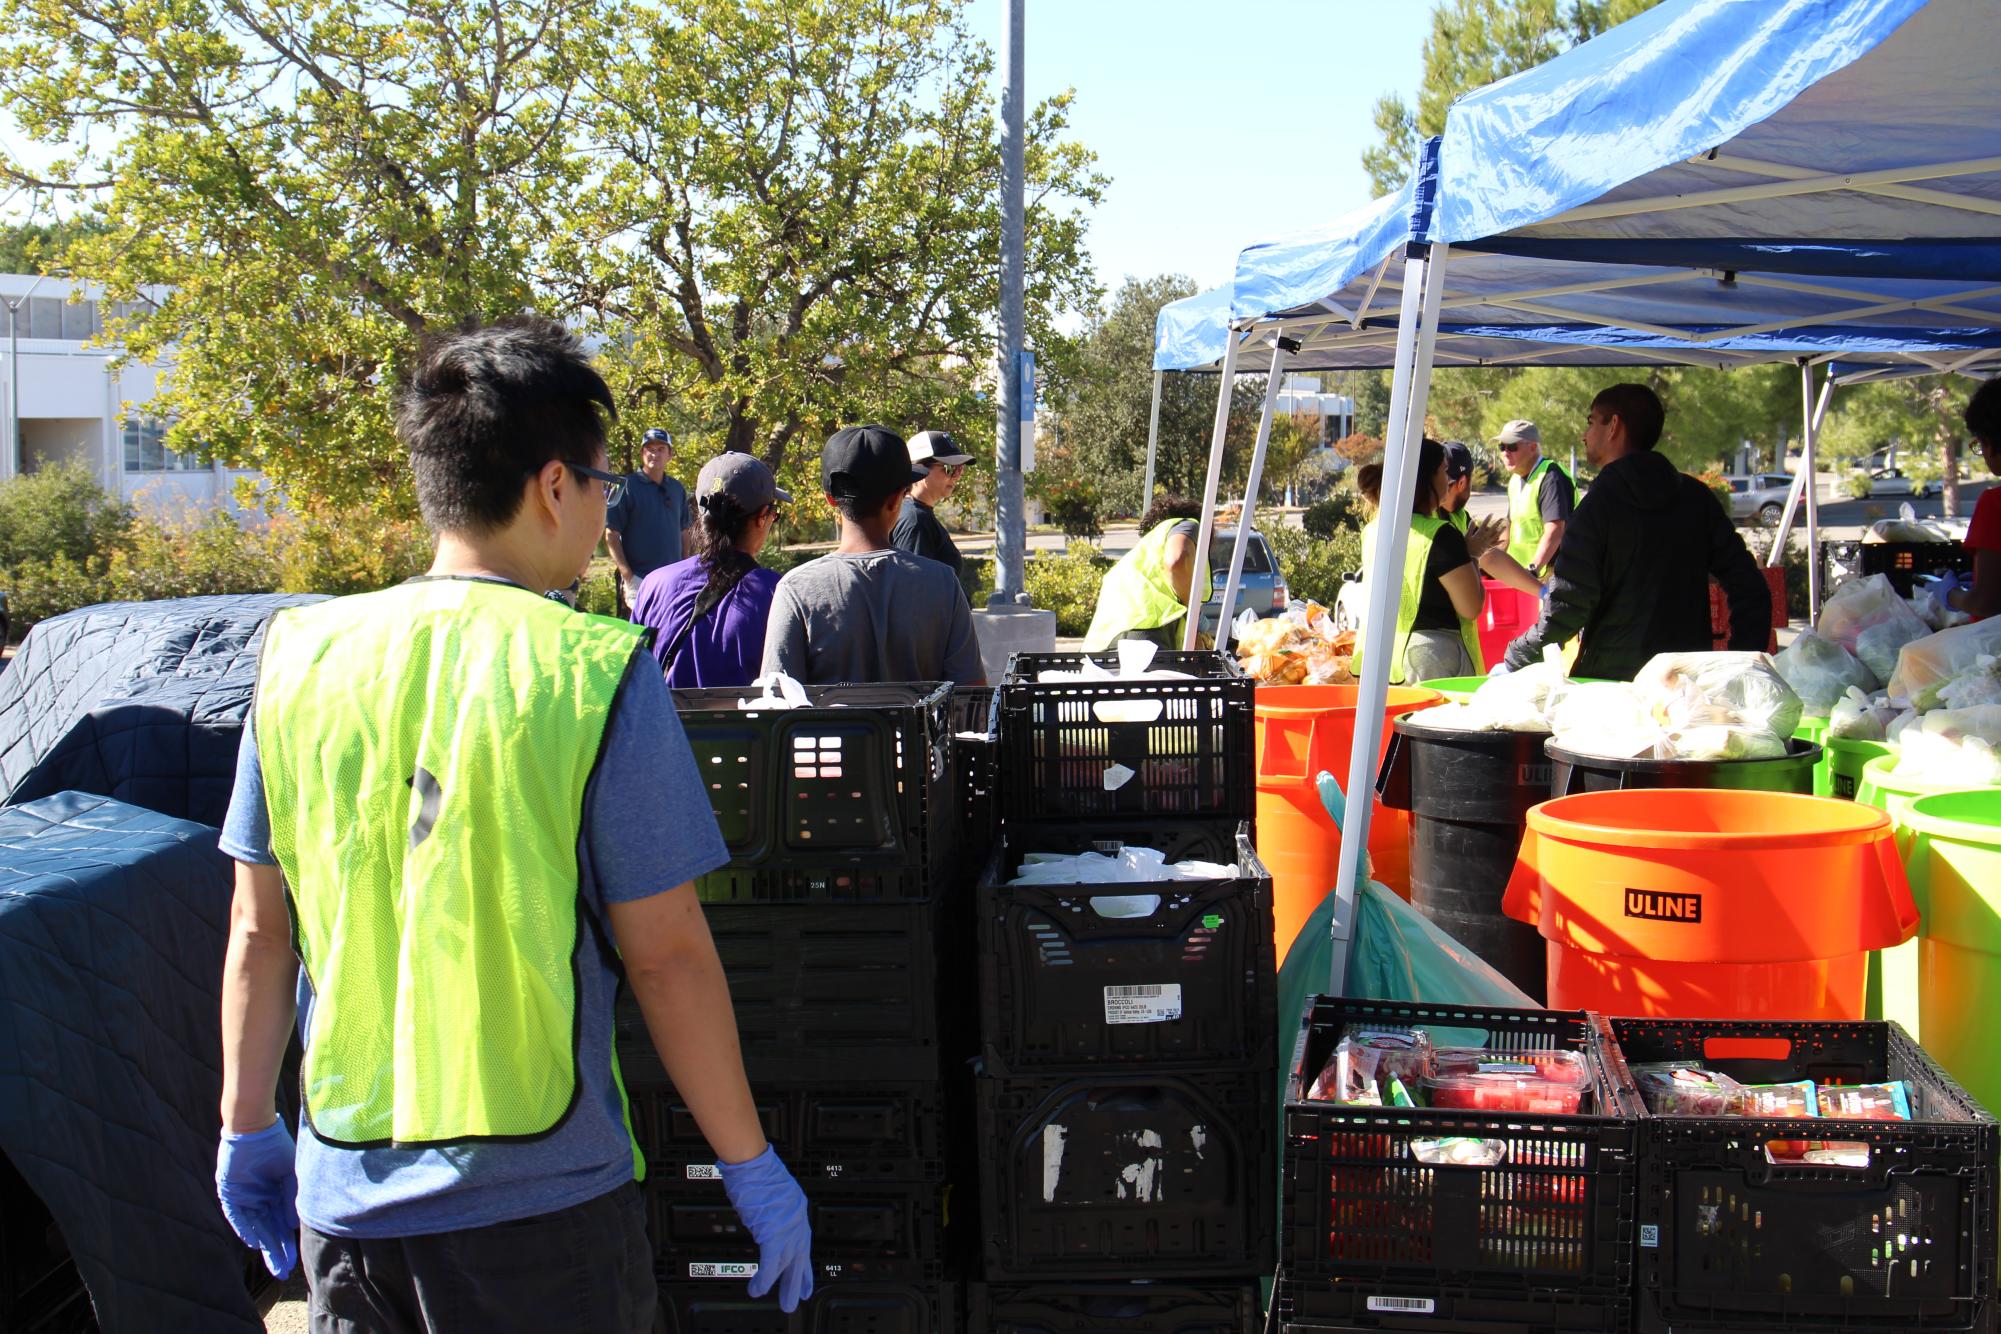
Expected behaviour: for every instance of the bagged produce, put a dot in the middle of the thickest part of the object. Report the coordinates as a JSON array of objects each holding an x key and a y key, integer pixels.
[
  {"x": 1820, "y": 670},
  {"x": 1718, "y": 706},
  {"x": 1867, "y": 1102},
  {"x": 1374, "y": 1068},
  {"x": 1127, "y": 865},
  {"x": 1958, "y": 747},
  {"x": 1979, "y": 684},
  {"x": 1682, "y": 1088},
  {"x": 1604, "y": 718},
  {"x": 1861, "y": 604},
  {"x": 1517, "y": 701},
  {"x": 1878, "y": 646},
  {"x": 1563, "y": 1067},
  {"x": 1857, "y": 717},
  {"x": 1925, "y": 666}
]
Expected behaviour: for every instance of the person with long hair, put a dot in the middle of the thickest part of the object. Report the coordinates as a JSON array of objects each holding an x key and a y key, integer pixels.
[
  {"x": 708, "y": 613},
  {"x": 1440, "y": 595}
]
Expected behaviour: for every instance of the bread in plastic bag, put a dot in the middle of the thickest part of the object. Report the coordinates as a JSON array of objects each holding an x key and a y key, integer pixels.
[
  {"x": 1861, "y": 604},
  {"x": 1952, "y": 747},
  {"x": 1926, "y": 665},
  {"x": 1607, "y": 718},
  {"x": 1819, "y": 670},
  {"x": 1856, "y": 717}
]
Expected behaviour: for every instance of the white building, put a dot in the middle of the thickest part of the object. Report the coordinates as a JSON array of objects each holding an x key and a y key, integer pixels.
[
  {"x": 62, "y": 400},
  {"x": 1301, "y": 396}
]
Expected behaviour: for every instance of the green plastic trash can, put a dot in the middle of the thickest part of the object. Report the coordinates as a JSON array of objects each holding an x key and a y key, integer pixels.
[{"x": 1954, "y": 863}]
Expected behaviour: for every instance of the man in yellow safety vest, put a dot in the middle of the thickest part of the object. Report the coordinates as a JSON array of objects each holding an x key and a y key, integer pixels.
[{"x": 1541, "y": 497}]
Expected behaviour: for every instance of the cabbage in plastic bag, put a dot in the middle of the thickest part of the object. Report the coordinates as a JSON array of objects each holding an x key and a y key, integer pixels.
[
  {"x": 1879, "y": 645},
  {"x": 1861, "y": 603},
  {"x": 1738, "y": 690},
  {"x": 1979, "y": 685},
  {"x": 1858, "y": 718},
  {"x": 1820, "y": 671},
  {"x": 1960, "y": 747},
  {"x": 1925, "y": 666},
  {"x": 1714, "y": 742}
]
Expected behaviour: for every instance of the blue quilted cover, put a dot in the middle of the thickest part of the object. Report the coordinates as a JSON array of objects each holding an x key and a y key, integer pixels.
[
  {"x": 142, "y": 701},
  {"x": 112, "y": 926}
]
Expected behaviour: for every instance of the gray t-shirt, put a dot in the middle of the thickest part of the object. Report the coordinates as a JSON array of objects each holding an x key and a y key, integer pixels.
[{"x": 872, "y": 616}]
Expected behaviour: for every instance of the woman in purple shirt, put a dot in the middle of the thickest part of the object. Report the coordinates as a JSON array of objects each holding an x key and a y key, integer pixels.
[{"x": 708, "y": 611}]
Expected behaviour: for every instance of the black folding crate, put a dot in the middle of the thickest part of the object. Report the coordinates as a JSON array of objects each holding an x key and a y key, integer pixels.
[
  {"x": 835, "y": 992},
  {"x": 862, "y": 1230},
  {"x": 849, "y": 799},
  {"x": 1140, "y": 1307},
  {"x": 1126, "y": 1174},
  {"x": 40, "y": 1289},
  {"x": 1733, "y": 1237},
  {"x": 1903, "y": 562},
  {"x": 882, "y": 1131},
  {"x": 1174, "y": 972},
  {"x": 1542, "y": 1239},
  {"x": 975, "y": 741},
  {"x": 837, "y": 1306},
  {"x": 1187, "y": 743}
]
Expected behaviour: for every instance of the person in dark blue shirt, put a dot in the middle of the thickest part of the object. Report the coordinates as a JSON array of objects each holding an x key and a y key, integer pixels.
[{"x": 643, "y": 531}]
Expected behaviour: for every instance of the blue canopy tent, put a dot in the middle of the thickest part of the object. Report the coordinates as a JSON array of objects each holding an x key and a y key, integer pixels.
[{"x": 1709, "y": 172}]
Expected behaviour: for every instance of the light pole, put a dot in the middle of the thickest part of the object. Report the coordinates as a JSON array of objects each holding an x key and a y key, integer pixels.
[
  {"x": 14, "y": 304},
  {"x": 1010, "y": 522}
]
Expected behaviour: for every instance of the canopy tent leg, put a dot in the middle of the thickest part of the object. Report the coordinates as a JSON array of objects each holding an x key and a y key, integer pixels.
[
  {"x": 1152, "y": 446},
  {"x": 1810, "y": 466},
  {"x": 1229, "y": 603},
  {"x": 1410, "y": 389},
  {"x": 1777, "y": 553},
  {"x": 1197, "y": 592}
]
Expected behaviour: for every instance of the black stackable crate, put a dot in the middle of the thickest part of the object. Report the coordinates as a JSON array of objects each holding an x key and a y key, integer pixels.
[
  {"x": 1166, "y": 1307},
  {"x": 1188, "y": 743},
  {"x": 1903, "y": 562},
  {"x": 975, "y": 739},
  {"x": 852, "y": 799},
  {"x": 1729, "y": 1239},
  {"x": 1077, "y": 977},
  {"x": 876, "y": 1231},
  {"x": 837, "y": 1306},
  {"x": 1374, "y": 1238},
  {"x": 860, "y": 1131},
  {"x": 1126, "y": 1173},
  {"x": 40, "y": 1289},
  {"x": 835, "y": 992}
]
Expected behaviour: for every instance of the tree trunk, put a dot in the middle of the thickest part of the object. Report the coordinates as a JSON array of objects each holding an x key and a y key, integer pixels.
[{"x": 1949, "y": 475}]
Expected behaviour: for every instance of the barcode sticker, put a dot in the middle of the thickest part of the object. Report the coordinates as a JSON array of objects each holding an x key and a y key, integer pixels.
[
  {"x": 1154, "y": 1004},
  {"x": 1650, "y": 1235},
  {"x": 703, "y": 1172},
  {"x": 1408, "y": 1305},
  {"x": 723, "y": 1269}
]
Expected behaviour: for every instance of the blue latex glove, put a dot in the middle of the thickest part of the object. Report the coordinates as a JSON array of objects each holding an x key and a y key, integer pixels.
[
  {"x": 773, "y": 1207},
  {"x": 258, "y": 1184}
]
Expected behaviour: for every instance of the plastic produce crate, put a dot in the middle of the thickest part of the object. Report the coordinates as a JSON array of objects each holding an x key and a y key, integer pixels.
[
  {"x": 1126, "y": 1174},
  {"x": 1372, "y": 1236},
  {"x": 1168, "y": 1307},
  {"x": 1731, "y": 1239},
  {"x": 839, "y": 992},
  {"x": 860, "y": 1132},
  {"x": 875, "y": 1231},
  {"x": 852, "y": 799},
  {"x": 1188, "y": 743},
  {"x": 1088, "y": 976},
  {"x": 976, "y": 764},
  {"x": 837, "y": 1306},
  {"x": 1903, "y": 562}
]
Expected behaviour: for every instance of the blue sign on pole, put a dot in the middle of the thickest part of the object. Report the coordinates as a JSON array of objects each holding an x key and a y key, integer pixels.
[{"x": 1025, "y": 410}]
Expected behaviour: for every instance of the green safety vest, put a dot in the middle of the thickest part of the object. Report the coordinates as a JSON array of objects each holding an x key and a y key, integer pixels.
[
  {"x": 1417, "y": 553},
  {"x": 1525, "y": 510},
  {"x": 1138, "y": 594},
  {"x": 425, "y": 751}
]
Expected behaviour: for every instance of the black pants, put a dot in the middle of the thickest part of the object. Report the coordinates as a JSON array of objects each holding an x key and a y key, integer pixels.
[{"x": 584, "y": 1268}]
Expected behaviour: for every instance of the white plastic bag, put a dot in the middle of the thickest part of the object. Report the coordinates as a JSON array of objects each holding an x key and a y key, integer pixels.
[
  {"x": 777, "y": 691},
  {"x": 1130, "y": 865},
  {"x": 1979, "y": 684},
  {"x": 1961, "y": 747},
  {"x": 1926, "y": 665},
  {"x": 1861, "y": 604},
  {"x": 1820, "y": 670},
  {"x": 1856, "y": 717},
  {"x": 1517, "y": 701},
  {"x": 1879, "y": 645},
  {"x": 1740, "y": 690},
  {"x": 1607, "y": 718}
]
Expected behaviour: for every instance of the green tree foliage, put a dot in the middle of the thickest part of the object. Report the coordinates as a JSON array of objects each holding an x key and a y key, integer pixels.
[
  {"x": 797, "y": 216},
  {"x": 1922, "y": 418},
  {"x": 40, "y": 247}
]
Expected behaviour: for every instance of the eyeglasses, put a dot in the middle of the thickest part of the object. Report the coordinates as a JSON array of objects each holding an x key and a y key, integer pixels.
[
  {"x": 614, "y": 485},
  {"x": 1511, "y": 449},
  {"x": 949, "y": 469}
]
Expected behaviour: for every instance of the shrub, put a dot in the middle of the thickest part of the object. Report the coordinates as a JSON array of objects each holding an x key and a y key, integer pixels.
[
  {"x": 976, "y": 576},
  {"x": 58, "y": 511},
  {"x": 1856, "y": 486},
  {"x": 1067, "y": 585},
  {"x": 1072, "y": 505},
  {"x": 323, "y": 549},
  {"x": 599, "y": 591},
  {"x": 1342, "y": 508},
  {"x": 1314, "y": 567}
]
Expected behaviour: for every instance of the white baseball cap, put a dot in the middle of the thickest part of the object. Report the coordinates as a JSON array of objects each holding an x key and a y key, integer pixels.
[
  {"x": 926, "y": 446},
  {"x": 1519, "y": 431}
]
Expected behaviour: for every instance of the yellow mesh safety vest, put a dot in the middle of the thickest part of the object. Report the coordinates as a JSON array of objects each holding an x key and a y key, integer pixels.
[
  {"x": 1417, "y": 552},
  {"x": 1525, "y": 510},
  {"x": 425, "y": 751},
  {"x": 1138, "y": 594}
]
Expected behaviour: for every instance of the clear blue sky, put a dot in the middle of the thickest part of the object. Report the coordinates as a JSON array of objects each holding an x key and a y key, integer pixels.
[{"x": 1220, "y": 122}]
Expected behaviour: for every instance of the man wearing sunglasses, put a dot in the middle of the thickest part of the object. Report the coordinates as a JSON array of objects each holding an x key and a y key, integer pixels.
[
  {"x": 917, "y": 529},
  {"x": 644, "y": 526},
  {"x": 433, "y": 814},
  {"x": 1541, "y": 497}
]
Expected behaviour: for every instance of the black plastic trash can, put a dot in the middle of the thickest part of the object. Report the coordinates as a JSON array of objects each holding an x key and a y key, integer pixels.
[{"x": 1572, "y": 772}]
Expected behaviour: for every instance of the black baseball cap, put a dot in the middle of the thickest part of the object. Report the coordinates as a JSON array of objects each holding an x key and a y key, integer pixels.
[
  {"x": 1458, "y": 461},
  {"x": 866, "y": 463}
]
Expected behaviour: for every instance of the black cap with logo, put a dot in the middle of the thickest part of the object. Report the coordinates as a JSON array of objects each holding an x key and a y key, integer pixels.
[{"x": 866, "y": 463}]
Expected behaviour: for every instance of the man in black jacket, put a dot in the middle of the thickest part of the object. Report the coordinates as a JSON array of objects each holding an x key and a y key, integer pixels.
[{"x": 1633, "y": 572}]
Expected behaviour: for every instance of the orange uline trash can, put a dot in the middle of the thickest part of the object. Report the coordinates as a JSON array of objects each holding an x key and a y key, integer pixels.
[
  {"x": 1710, "y": 904},
  {"x": 1302, "y": 730}
]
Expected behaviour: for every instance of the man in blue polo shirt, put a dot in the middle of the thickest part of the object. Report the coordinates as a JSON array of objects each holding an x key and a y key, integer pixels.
[{"x": 643, "y": 531}]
